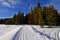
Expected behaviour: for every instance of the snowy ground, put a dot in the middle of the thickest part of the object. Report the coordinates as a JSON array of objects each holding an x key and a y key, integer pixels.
[{"x": 28, "y": 32}]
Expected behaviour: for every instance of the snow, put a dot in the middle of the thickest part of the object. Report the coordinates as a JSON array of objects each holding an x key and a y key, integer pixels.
[{"x": 28, "y": 32}]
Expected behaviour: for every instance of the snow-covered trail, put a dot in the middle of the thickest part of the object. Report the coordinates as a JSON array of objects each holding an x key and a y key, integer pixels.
[{"x": 28, "y": 32}]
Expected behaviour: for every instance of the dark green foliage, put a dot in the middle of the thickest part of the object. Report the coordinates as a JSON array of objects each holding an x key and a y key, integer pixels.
[
  {"x": 13, "y": 19},
  {"x": 19, "y": 18},
  {"x": 8, "y": 21},
  {"x": 38, "y": 16},
  {"x": 50, "y": 15}
]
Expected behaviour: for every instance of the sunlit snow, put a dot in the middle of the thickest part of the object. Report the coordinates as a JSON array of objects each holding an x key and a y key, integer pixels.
[{"x": 28, "y": 32}]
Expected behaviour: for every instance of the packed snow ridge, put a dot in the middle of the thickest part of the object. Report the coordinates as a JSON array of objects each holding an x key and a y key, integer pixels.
[{"x": 28, "y": 32}]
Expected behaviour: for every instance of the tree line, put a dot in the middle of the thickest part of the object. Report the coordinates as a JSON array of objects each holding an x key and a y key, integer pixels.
[{"x": 38, "y": 16}]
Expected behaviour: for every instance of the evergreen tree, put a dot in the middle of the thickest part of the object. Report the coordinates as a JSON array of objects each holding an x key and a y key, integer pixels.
[
  {"x": 37, "y": 15},
  {"x": 40, "y": 19},
  {"x": 19, "y": 18},
  {"x": 51, "y": 16},
  {"x": 26, "y": 19},
  {"x": 14, "y": 19}
]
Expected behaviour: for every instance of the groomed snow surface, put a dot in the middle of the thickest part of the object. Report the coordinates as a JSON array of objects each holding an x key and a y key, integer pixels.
[{"x": 28, "y": 32}]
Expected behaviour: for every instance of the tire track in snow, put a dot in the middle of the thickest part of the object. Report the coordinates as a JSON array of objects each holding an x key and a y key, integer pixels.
[
  {"x": 9, "y": 34},
  {"x": 27, "y": 32},
  {"x": 41, "y": 33},
  {"x": 16, "y": 36}
]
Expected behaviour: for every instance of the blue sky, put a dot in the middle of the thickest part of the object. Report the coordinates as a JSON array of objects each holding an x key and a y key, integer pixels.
[{"x": 9, "y": 7}]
